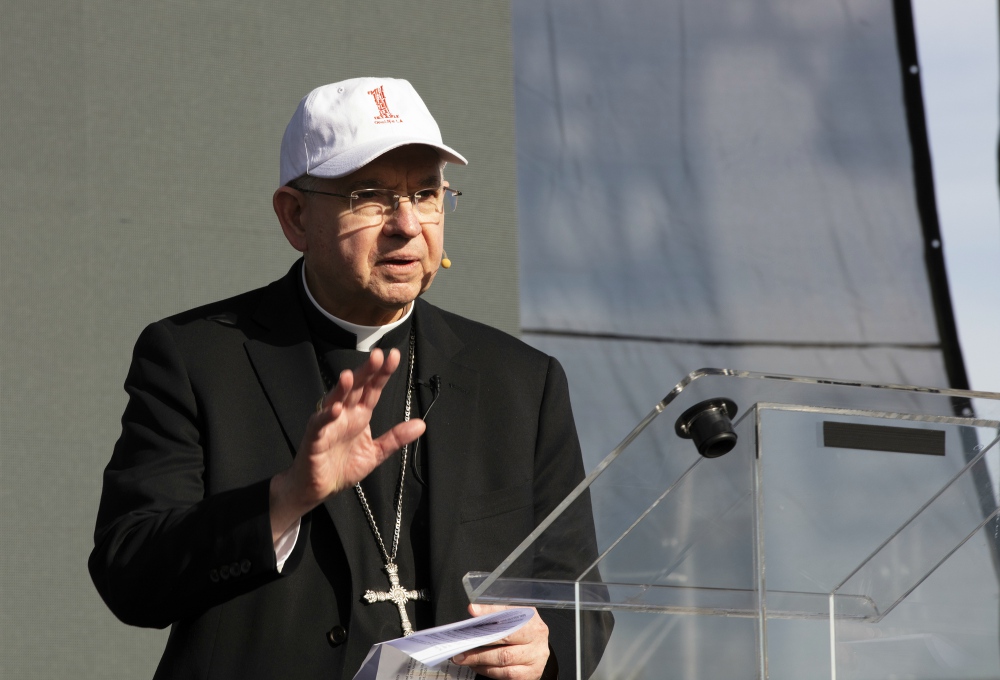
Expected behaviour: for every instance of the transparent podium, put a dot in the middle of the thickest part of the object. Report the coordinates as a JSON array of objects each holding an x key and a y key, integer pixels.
[{"x": 826, "y": 530}]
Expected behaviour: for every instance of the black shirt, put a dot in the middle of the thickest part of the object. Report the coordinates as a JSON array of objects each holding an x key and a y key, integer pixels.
[{"x": 369, "y": 623}]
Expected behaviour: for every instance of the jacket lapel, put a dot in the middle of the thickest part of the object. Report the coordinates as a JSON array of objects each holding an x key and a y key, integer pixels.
[
  {"x": 284, "y": 359},
  {"x": 447, "y": 437}
]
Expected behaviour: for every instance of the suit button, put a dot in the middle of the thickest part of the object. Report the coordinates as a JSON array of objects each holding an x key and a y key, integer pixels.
[
  {"x": 245, "y": 566},
  {"x": 213, "y": 575},
  {"x": 224, "y": 572},
  {"x": 337, "y": 636},
  {"x": 234, "y": 569}
]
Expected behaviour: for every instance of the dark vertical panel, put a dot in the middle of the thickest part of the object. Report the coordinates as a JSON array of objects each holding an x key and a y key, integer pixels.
[{"x": 923, "y": 179}]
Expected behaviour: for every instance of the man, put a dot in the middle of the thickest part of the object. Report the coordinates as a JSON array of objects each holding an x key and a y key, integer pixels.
[{"x": 275, "y": 491}]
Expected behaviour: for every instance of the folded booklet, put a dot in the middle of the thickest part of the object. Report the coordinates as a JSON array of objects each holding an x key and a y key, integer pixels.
[{"x": 426, "y": 654}]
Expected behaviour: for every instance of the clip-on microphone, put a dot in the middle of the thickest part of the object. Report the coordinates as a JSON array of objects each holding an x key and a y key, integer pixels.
[{"x": 434, "y": 383}]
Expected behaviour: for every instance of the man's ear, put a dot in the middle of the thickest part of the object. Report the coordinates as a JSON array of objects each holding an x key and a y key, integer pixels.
[{"x": 288, "y": 205}]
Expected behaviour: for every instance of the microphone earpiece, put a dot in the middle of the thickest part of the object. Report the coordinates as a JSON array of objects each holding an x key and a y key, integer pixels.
[{"x": 445, "y": 262}]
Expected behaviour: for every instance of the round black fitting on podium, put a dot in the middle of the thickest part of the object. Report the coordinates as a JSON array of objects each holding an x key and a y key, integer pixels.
[{"x": 709, "y": 424}]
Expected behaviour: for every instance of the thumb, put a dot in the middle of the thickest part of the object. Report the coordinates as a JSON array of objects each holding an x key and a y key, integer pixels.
[
  {"x": 400, "y": 435},
  {"x": 480, "y": 609}
]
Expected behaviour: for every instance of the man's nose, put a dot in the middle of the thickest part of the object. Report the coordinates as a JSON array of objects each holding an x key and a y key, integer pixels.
[{"x": 404, "y": 219}]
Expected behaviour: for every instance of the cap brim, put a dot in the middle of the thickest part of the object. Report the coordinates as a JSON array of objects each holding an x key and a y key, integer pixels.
[{"x": 360, "y": 156}]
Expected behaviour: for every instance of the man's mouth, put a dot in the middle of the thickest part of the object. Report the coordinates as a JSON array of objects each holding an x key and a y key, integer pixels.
[{"x": 401, "y": 261}]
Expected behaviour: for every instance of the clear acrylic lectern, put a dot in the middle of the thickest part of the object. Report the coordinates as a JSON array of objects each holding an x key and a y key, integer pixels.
[{"x": 850, "y": 533}]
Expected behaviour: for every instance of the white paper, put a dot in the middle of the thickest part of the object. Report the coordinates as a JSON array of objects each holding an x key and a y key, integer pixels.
[{"x": 426, "y": 654}]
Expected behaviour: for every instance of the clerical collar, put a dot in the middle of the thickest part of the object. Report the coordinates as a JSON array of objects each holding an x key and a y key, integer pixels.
[{"x": 367, "y": 336}]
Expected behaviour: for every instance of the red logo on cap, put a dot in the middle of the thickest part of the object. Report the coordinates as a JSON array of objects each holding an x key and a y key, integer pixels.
[{"x": 384, "y": 114}]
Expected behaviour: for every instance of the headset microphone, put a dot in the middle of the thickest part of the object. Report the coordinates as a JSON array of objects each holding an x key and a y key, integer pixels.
[{"x": 445, "y": 262}]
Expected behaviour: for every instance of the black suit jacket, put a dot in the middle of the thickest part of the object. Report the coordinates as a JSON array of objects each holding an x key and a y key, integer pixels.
[{"x": 218, "y": 401}]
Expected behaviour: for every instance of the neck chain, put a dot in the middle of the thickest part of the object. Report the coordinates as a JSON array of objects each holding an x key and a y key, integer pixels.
[
  {"x": 396, "y": 593},
  {"x": 389, "y": 558}
]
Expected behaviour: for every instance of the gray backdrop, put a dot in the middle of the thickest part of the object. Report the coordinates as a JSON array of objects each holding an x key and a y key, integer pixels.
[
  {"x": 728, "y": 184},
  {"x": 138, "y": 155},
  {"x": 722, "y": 183},
  {"x": 716, "y": 183}
]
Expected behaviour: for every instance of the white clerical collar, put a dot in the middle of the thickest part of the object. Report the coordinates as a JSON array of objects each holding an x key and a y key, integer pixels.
[{"x": 367, "y": 336}]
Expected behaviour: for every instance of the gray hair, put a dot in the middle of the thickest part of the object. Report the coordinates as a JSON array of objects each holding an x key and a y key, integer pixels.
[{"x": 305, "y": 182}]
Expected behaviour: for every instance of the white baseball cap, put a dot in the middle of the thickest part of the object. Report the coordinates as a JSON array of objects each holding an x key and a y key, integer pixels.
[{"x": 341, "y": 127}]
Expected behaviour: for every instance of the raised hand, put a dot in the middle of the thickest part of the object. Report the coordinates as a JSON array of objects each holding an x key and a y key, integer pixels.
[{"x": 337, "y": 450}]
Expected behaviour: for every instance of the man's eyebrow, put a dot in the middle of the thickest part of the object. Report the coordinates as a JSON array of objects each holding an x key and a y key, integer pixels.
[
  {"x": 366, "y": 183},
  {"x": 431, "y": 181}
]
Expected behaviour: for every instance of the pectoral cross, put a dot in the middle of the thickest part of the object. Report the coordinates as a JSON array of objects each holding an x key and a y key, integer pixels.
[{"x": 398, "y": 595}]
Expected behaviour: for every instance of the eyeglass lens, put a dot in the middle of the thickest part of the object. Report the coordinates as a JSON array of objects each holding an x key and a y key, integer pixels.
[{"x": 378, "y": 203}]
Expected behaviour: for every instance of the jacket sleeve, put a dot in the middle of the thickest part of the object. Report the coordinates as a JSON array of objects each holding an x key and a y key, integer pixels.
[
  {"x": 163, "y": 549},
  {"x": 569, "y": 545}
]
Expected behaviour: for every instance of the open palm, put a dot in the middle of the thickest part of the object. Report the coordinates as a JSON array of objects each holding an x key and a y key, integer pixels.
[{"x": 337, "y": 450}]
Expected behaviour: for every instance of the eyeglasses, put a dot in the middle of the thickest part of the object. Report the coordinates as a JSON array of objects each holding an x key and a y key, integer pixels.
[{"x": 375, "y": 205}]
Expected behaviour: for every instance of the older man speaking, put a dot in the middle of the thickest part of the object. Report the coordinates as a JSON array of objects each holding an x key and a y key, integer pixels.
[{"x": 281, "y": 495}]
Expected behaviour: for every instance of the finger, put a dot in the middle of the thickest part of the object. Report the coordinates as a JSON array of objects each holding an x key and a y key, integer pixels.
[
  {"x": 391, "y": 362},
  {"x": 319, "y": 420},
  {"x": 481, "y": 609},
  {"x": 373, "y": 390},
  {"x": 383, "y": 366},
  {"x": 363, "y": 376},
  {"x": 507, "y": 660},
  {"x": 507, "y": 657},
  {"x": 530, "y": 631},
  {"x": 399, "y": 436},
  {"x": 373, "y": 376},
  {"x": 345, "y": 381},
  {"x": 336, "y": 410},
  {"x": 494, "y": 655},
  {"x": 507, "y": 672},
  {"x": 372, "y": 364}
]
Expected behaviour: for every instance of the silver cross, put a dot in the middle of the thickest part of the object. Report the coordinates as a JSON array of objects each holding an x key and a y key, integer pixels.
[{"x": 398, "y": 595}]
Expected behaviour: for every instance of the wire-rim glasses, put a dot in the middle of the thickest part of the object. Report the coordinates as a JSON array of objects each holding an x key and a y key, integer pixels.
[{"x": 375, "y": 205}]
